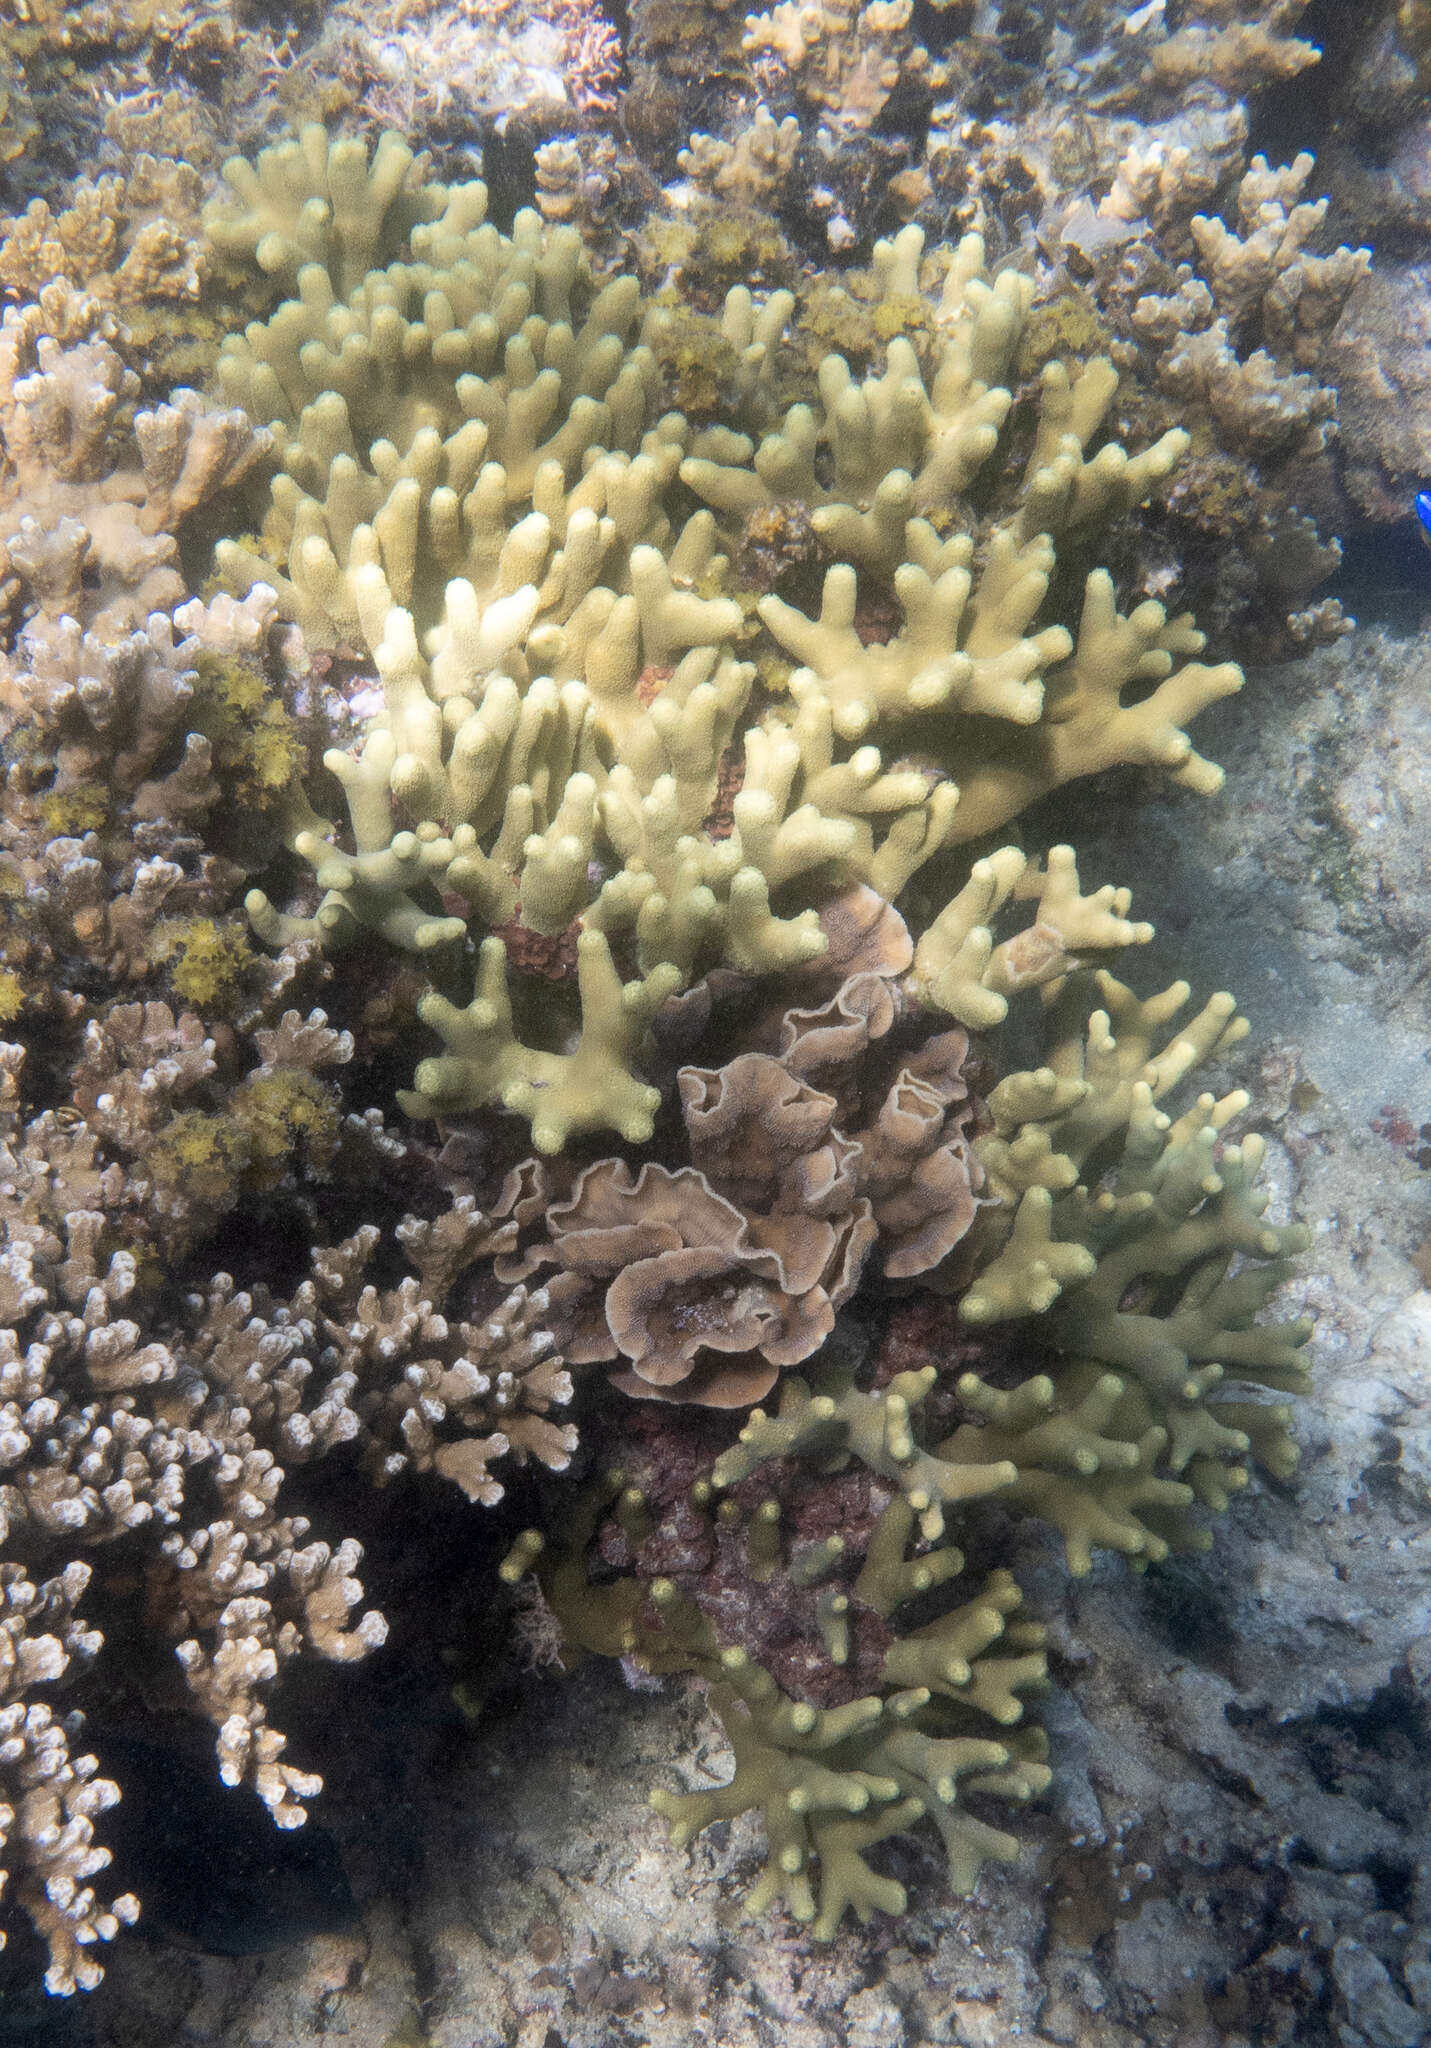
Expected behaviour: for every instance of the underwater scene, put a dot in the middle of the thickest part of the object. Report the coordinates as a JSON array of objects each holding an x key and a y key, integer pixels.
[{"x": 715, "y": 1024}]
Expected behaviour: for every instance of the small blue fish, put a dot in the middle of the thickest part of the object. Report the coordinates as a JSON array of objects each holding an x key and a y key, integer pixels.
[{"x": 1422, "y": 504}]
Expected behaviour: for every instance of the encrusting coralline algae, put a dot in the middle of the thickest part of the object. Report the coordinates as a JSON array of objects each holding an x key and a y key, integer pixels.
[{"x": 633, "y": 683}]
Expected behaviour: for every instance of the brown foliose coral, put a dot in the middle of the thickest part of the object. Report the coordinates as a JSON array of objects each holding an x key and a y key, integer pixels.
[{"x": 847, "y": 1143}]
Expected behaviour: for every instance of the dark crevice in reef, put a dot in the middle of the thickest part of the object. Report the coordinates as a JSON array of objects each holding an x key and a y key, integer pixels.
[
  {"x": 509, "y": 171},
  {"x": 1184, "y": 1605},
  {"x": 1372, "y": 1753},
  {"x": 1293, "y": 114},
  {"x": 1385, "y": 577}
]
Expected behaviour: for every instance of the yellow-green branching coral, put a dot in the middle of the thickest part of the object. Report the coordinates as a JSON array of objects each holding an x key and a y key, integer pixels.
[
  {"x": 314, "y": 199},
  {"x": 813, "y": 1574},
  {"x": 477, "y": 482},
  {"x": 562, "y": 1094},
  {"x": 926, "y": 1718},
  {"x": 1143, "y": 1237}
]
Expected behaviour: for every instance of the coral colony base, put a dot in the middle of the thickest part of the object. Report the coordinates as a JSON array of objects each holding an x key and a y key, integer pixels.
[{"x": 679, "y": 812}]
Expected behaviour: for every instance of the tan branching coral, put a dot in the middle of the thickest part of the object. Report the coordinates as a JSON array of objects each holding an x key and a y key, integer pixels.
[
  {"x": 92, "y": 498},
  {"x": 120, "y": 753},
  {"x": 1172, "y": 167},
  {"x": 1270, "y": 269},
  {"x": 1238, "y": 55},
  {"x": 173, "y": 1427},
  {"x": 121, "y": 726},
  {"x": 1258, "y": 283},
  {"x": 172, "y": 125},
  {"x": 845, "y": 59},
  {"x": 102, "y": 1428},
  {"x": 750, "y": 170},
  {"x": 577, "y": 177},
  {"x": 49, "y": 1797},
  {"x": 433, "y": 1395},
  {"x": 128, "y": 238}
]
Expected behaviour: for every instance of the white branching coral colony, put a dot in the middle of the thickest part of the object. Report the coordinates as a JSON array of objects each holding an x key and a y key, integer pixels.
[{"x": 476, "y": 485}]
